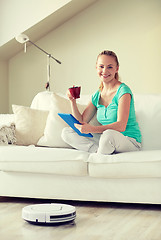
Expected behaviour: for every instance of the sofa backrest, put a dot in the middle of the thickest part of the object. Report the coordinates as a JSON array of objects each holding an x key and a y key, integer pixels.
[{"x": 148, "y": 114}]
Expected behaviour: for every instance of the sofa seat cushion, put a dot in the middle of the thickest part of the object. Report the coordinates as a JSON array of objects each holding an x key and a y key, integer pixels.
[
  {"x": 141, "y": 164},
  {"x": 43, "y": 160}
]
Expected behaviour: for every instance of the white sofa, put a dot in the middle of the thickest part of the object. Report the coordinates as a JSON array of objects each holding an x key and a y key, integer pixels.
[{"x": 52, "y": 170}]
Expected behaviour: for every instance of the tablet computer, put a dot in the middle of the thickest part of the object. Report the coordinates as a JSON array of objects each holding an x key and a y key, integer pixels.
[{"x": 71, "y": 120}]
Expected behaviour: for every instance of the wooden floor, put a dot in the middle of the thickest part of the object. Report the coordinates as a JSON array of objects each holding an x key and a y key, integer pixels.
[{"x": 94, "y": 221}]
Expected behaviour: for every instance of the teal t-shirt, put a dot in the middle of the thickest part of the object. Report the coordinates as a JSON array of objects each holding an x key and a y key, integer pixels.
[{"x": 108, "y": 115}]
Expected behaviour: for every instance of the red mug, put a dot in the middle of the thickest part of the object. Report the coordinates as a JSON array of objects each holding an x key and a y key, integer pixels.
[{"x": 75, "y": 91}]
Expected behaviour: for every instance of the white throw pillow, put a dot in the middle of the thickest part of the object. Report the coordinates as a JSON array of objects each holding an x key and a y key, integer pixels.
[
  {"x": 55, "y": 125},
  {"x": 30, "y": 124},
  {"x": 42, "y": 101}
]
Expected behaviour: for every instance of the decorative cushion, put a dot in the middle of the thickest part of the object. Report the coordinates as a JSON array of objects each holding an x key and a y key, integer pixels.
[
  {"x": 42, "y": 101},
  {"x": 54, "y": 124},
  {"x": 30, "y": 124},
  {"x": 7, "y": 134}
]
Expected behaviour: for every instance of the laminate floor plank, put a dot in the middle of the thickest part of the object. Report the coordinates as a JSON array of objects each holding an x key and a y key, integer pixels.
[{"x": 103, "y": 221}]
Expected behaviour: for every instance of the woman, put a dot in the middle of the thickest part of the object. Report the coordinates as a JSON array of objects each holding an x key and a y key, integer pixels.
[{"x": 114, "y": 104}]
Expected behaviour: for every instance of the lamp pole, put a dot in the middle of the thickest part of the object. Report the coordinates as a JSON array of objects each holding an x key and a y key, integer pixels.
[
  {"x": 48, "y": 64},
  {"x": 48, "y": 72},
  {"x": 45, "y": 52},
  {"x": 22, "y": 38}
]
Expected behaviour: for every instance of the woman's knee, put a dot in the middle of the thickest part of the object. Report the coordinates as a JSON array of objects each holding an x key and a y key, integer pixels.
[
  {"x": 108, "y": 135},
  {"x": 66, "y": 132},
  {"x": 106, "y": 144}
]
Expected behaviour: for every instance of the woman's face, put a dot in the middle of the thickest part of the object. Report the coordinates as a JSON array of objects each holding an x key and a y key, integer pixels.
[{"x": 106, "y": 68}]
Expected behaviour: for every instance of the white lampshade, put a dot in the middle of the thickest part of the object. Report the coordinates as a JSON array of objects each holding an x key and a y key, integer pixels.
[{"x": 22, "y": 38}]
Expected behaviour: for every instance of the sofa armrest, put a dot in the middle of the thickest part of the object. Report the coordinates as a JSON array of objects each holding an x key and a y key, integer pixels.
[{"x": 6, "y": 119}]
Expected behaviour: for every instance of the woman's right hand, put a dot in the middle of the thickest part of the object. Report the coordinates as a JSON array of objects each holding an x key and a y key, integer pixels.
[{"x": 69, "y": 95}]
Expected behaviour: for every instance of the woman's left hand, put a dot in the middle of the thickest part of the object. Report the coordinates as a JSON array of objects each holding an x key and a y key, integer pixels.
[{"x": 83, "y": 127}]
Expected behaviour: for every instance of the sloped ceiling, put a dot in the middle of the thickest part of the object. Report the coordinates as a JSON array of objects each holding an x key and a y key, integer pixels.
[{"x": 45, "y": 26}]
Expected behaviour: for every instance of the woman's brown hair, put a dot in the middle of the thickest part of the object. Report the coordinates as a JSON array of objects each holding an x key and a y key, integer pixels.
[{"x": 112, "y": 54}]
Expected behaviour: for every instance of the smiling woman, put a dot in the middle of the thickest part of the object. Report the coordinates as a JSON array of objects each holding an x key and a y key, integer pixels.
[{"x": 114, "y": 104}]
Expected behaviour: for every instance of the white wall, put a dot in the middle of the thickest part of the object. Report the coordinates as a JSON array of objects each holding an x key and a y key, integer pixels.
[
  {"x": 16, "y": 16},
  {"x": 130, "y": 28},
  {"x": 3, "y": 87}
]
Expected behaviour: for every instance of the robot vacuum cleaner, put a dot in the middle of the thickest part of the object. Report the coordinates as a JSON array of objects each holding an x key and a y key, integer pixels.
[{"x": 51, "y": 213}]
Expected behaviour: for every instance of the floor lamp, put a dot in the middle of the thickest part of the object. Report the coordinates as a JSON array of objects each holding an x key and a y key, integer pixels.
[{"x": 22, "y": 38}]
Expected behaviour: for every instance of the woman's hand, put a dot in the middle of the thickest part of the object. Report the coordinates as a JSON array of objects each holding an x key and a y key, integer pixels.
[
  {"x": 69, "y": 95},
  {"x": 84, "y": 127}
]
